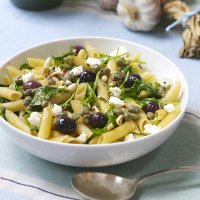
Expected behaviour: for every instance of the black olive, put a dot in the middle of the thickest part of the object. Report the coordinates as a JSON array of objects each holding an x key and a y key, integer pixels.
[
  {"x": 131, "y": 79},
  {"x": 65, "y": 125},
  {"x": 77, "y": 48},
  {"x": 98, "y": 120},
  {"x": 151, "y": 107},
  {"x": 87, "y": 76},
  {"x": 31, "y": 85}
]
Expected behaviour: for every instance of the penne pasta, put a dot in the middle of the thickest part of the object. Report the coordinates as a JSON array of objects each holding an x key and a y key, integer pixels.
[
  {"x": 80, "y": 92},
  {"x": 10, "y": 94},
  {"x": 102, "y": 90},
  {"x": 35, "y": 62},
  {"x": 173, "y": 93},
  {"x": 13, "y": 119},
  {"x": 170, "y": 117},
  {"x": 14, "y": 106},
  {"x": 46, "y": 122},
  {"x": 117, "y": 133}
]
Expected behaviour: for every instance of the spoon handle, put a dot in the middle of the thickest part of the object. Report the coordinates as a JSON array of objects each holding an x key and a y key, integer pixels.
[{"x": 165, "y": 171}]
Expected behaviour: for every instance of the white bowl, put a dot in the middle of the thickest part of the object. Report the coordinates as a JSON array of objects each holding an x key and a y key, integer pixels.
[{"x": 96, "y": 155}]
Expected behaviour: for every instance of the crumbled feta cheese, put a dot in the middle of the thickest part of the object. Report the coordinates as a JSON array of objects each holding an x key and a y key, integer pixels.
[
  {"x": 58, "y": 70},
  {"x": 48, "y": 62},
  {"x": 57, "y": 110},
  {"x": 93, "y": 61},
  {"x": 77, "y": 70},
  {"x": 67, "y": 82},
  {"x": 169, "y": 107},
  {"x": 121, "y": 50},
  {"x": 165, "y": 82},
  {"x": 149, "y": 128},
  {"x": 35, "y": 118},
  {"x": 27, "y": 77},
  {"x": 115, "y": 91},
  {"x": 116, "y": 101},
  {"x": 129, "y": 137},
  {"x": 82, "y": 137}
]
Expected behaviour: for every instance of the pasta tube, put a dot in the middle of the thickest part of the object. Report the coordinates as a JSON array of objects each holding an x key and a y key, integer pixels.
[
  {"x": 10, "y": 94},
  {"x": 46, "y": 122},
  {"x": 117, "y": 133},
  {"x": 13, "y": 119}
]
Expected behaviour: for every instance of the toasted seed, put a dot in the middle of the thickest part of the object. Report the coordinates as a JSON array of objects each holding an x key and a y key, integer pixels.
[
  {"x": 44, "y": 103},
  {"x": 104, "y": 78},
  {"x": 110, "y": 127},
  {"x": 119, "y": 120},
  {"x": 143, "y": 94},
  {"x": 150, "y": 115},
  {"x": 95, "y": 109},
  {"x": 72, "y": 87}
]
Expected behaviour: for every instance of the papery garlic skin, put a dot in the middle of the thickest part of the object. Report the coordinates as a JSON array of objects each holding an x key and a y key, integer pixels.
[{"x": 139, "y": 15}]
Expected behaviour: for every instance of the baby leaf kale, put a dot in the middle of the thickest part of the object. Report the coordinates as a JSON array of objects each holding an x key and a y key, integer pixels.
[
  {"x": 3, "y": 100},
  {"x": 2, "y": 112},
  {"x": 59, "y": 60},
  {"x": 91, "y": 97},
  {"x": 25, "y": 66},
  {"x": 139, "y": 86},
  {"x": 42, "y": 94}
]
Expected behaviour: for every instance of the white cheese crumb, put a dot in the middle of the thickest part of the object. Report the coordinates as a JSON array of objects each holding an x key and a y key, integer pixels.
[
  {"x": 77, "y": 70},
  {"x": 165, "y": 82},
  {"x": 121, "y": 50},
  {"x": 82, "y": 137},
  {"x": 149, "y": 128},
  {"x": 27, "y": 77},
  {"x": 93, "y": 61},
  {"x": 48, "y": 62},
  {"x": 35, "y": 119},
  {"x": 129, "y": 137},
  {"x": 116, "y": 101},
  {"x": 115, "y": 91},
  {"x": 169, "y": 107},
  {"x": 56, "y": 110}
]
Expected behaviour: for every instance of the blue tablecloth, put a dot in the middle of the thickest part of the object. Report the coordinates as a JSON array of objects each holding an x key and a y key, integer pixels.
[{"x": 24, "y": 176}]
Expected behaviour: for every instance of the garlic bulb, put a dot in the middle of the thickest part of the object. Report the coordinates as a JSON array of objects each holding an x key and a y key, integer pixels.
[{"x": 139, "y": 15}]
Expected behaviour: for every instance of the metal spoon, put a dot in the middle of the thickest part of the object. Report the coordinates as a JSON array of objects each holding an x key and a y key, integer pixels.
[{"x": 100, "y": 186}]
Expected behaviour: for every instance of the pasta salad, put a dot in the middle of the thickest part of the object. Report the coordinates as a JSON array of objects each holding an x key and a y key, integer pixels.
[{"x": 85, "y": 96}]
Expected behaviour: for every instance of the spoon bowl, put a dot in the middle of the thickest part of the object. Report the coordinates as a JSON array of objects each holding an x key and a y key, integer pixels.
[
  {"x": 111, "y": 186},
  {"x": 100, "y": 186}
]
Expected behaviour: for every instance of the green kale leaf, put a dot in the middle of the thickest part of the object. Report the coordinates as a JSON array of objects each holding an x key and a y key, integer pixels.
[
  {"x": 25, "y": 66},
  {"x": 2, "y": 112},
  {"x": 91, "y": 97},
  {"x": 139, "y": 86},
  {"x": 59, "y": 60},
  {"x": 42, "y": 94},
  {"x": 3, "y": 100}
]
